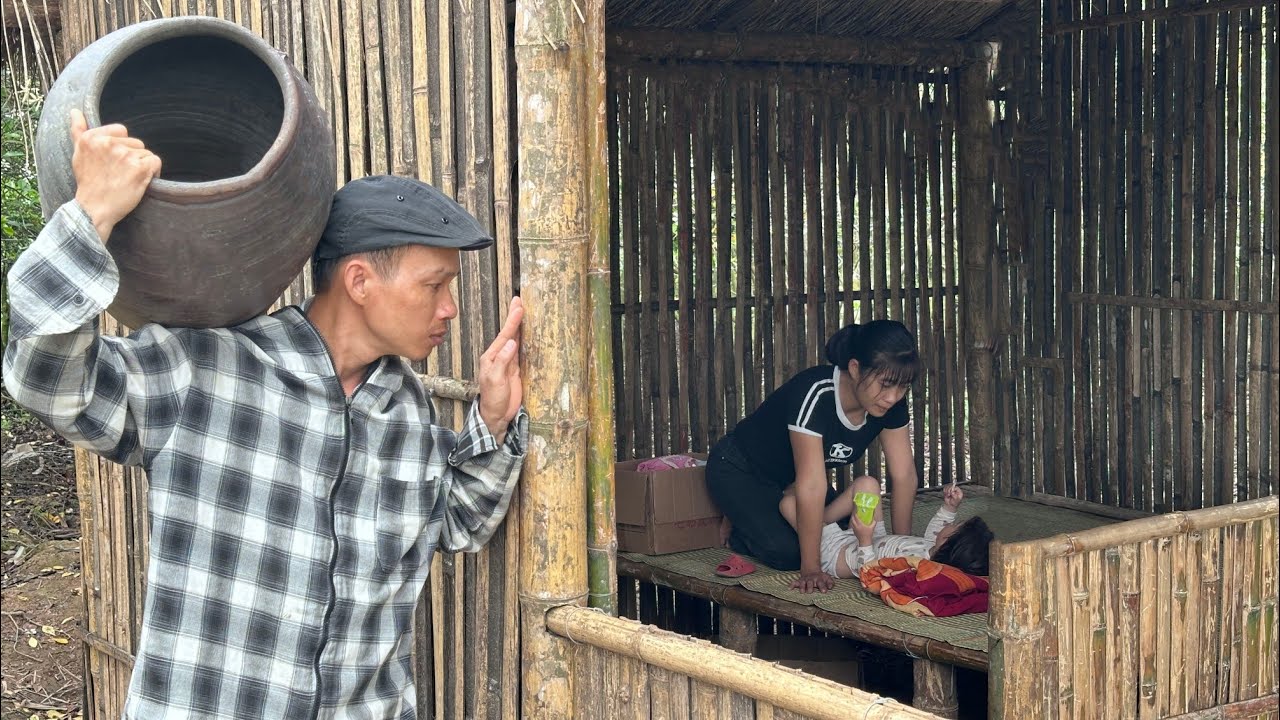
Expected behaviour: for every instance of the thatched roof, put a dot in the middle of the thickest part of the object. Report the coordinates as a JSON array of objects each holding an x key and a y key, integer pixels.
[{"x": 916, "y": 19}]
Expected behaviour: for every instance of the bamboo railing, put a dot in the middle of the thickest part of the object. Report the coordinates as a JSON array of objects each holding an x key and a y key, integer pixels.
[
  {"x": 1161, "y": 617},
  {"x": 626, "y": 669}
]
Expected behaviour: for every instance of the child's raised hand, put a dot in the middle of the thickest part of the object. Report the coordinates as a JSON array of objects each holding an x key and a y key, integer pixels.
[{"x": 952, "y": 496}]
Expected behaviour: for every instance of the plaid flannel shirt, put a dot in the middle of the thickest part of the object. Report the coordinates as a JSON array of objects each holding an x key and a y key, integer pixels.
[{"x": 292, "y": 527}]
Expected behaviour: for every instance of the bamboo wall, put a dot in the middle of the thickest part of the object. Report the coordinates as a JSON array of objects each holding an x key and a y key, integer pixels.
[
  {"x": 403, "y": 98},
  {"x": 1136, "y": 231},
  {"x": 756, "y": 210},
  {"x": 1152, "y": 618}
]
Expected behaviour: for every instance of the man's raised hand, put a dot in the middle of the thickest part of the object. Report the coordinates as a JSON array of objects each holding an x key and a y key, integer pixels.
[
  {"x": 500, "y": 390},
  {"x": 112, "y": 171}
]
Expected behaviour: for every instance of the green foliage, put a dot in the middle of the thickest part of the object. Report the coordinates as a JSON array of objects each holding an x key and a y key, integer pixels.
[{"x": 20, "y": 217}]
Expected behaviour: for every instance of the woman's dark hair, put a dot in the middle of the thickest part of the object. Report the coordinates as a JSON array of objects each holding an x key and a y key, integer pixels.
[
  {"x": 968, "y": 548},
  {"x": 883, "y": 348}
]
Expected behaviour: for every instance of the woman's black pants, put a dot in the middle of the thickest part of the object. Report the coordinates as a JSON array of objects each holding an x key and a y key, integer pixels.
[{"x": 750, "y": 501}]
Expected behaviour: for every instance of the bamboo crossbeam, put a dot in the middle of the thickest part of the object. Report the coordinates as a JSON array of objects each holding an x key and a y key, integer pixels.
[
  {"x": 794, "y": 298},
  {"x": 450, "y": 388},
  {"x": 1255, "y": 707},
  {"x": 1192, "y": 304},
  {"x": 631, "y": 43},
  {"x": 810, "y": 615},
  {"x": 1164, "y": 13},
  {"x": 701, "y": 661},
  {"x": 1158, "y": 527}
]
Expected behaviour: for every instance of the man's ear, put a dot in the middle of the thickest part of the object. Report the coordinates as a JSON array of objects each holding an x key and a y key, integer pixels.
[{"x": 357, "y": 276}]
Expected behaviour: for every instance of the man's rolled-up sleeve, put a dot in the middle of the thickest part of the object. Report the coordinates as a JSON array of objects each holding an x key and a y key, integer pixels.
[{"x": 118, "y": 397}]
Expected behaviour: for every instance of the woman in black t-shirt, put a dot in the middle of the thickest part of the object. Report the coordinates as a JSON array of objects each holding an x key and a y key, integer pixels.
[{"x": 825, "y": 416}]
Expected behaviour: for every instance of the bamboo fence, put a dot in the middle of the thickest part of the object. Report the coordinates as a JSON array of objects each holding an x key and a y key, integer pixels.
[
  {"x": 412, "y": 88},
  {"x": 1170, "y": 616},
  {"x": 1135, "y": 232}
]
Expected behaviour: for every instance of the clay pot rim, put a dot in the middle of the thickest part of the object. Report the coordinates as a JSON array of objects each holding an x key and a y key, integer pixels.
[{"x": 190, "y": 26}]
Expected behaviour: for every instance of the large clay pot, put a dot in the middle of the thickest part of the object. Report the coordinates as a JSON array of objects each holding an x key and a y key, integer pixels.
[{"x": 248, "y": 166}]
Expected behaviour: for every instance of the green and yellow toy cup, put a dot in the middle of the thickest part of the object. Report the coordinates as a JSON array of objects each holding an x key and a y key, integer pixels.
[{"x": 864, "y": 504}]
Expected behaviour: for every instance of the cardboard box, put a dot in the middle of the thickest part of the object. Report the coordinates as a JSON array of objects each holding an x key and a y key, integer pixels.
[
  {"x": 664, "y": 511},
  {"x": 833, "y": 658}
]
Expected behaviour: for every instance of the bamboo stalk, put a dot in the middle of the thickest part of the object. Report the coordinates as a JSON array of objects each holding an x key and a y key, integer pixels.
[
  {"x": 1210, "y": 580},
  {"x": 554, "y": 227},
  {"x": 1228, "y": 616},
  {"x": 1178, "y": 620},
  {"x": 1148, "y": 630},
  {"x": 710, "y": 665},
  {"x": 742, "y": 229},
  {"x": 352, "y": 43},
  {"x": 1015, "y": 612},
  {"x": 976, "y": 207},
  {"x": 1084, "y": 593},
  {"x": 396, "y": 28},
  {"x": 696, "y": 112},
  {"x": 602, "y": 541},
  {"x": 760, "y": 243},
  {"x": 446, "y": 159},
  {"x": 1268, "y": 682},
  {"x": 811, "y": 334},
  {"x": 644, "y": 116},
  {"x": 726, "y": 407}
]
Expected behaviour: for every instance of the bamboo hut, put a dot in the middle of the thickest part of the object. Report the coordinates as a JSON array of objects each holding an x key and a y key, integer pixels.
[{"x": 1073, "y": 205}]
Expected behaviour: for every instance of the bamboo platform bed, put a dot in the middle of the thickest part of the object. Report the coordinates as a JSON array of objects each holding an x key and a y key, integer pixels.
[{"x": 1048, "y": 524}]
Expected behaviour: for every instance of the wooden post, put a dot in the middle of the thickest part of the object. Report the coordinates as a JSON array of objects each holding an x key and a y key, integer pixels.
[
  {"x": 975, "y": 238},
  {"x": 1016, "y": 678},
  {"x": 602, "y": 543},
  {"x": 553, "y": 230},
  {"x": 738, "y": 629},
  {"x": 935, "y": 688}
]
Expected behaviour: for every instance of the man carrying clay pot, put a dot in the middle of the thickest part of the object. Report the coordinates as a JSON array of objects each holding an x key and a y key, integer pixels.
[{"x": 298, "y": 480}]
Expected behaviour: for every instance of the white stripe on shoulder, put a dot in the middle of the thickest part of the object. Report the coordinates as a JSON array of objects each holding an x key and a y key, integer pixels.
[
  {"x": 816, "y": 391},
  {"x": 803, "y": 431}
]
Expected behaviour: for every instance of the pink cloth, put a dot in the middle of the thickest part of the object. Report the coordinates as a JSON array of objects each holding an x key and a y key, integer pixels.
[{"x": 667, "y": 462}]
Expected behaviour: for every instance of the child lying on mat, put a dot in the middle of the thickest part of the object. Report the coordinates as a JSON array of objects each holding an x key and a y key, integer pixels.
[{"x": 966, "y": 546}]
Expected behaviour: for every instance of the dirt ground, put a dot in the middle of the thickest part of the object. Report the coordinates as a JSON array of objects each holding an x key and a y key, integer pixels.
[{"x": 40, "y": 597}]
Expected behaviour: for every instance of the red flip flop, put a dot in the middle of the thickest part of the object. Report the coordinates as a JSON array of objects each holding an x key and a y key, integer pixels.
[{"x": 735, "y": 566}]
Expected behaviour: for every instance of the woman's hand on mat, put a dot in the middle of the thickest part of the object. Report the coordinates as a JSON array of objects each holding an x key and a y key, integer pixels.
[
  {"x": 952, "y": 496},
  {"x": 813, "y": 581},
  {"x": 726, "y": 529}
]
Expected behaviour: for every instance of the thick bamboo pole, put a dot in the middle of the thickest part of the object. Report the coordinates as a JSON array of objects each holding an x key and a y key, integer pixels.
[
  {"x": 1016, "y": 686},
  {"x": 602, "y": 540},
  {"x": 552, "y": 229},
  {"x": 975, "y": 228},
  {"x": 701, "y": 661}
]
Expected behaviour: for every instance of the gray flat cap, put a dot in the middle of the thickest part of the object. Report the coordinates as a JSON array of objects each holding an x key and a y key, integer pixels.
[{"x": 384, "y": 211}]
